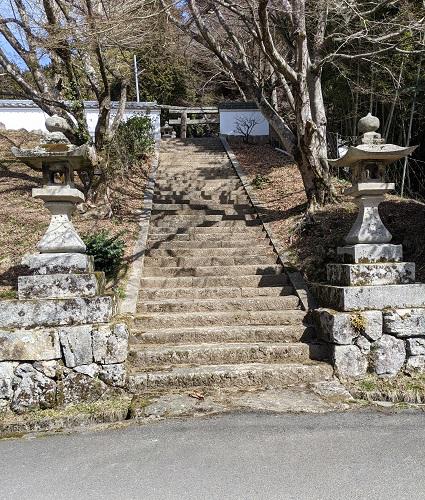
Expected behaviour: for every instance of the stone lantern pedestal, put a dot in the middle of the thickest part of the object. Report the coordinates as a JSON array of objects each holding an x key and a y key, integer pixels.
[
  {"x": 58, "y": 342},
  {"x": 370, "y": 286}
]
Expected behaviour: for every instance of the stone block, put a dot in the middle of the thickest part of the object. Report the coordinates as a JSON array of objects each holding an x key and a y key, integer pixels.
[
  {"x": 76, "y": 344},
  {"x": 388, "y": 355},
  {"x": 405, "y": 323},
  {"x": 32, "y": 390},
  {"x": 390, "y": 273},
  {"x": 7, "y": 374},
  {"x": 60, "y": 286},
  {"x": 38, "y": 344},
  {"x": 91, "y": 370},
  {"x": 113, "y": 375},
  {"x": 363, "y": 344},
  {"x": 415, "y": 364},
  {"x": 342, "y": 328},
  {"x": 56, "y": 312},
  {"x": 415, "y": 346},
  {"x": 369, "y": 253},
  {"x": 48, "y": 368},
  {"x": 59, "y": 263},
  {"x": 349, "y": 361},
  {"x": 80, "y": 388},
  {"x": 110, "y": 344},
  {"x": 359, "y": 298}
]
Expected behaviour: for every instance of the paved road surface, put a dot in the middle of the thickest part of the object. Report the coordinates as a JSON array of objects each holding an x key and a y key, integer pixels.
[{"x": 240, "y": 456}]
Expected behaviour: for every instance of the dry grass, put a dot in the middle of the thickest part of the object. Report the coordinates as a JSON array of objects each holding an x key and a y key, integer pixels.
[
  {"x": 401, "y": 389},
  {"x": 23, "y": 220},
  {"x": 312, "y": 241}
]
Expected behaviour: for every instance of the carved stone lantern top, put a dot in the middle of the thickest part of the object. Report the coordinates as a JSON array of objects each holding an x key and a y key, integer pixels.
[
  {"x": 368, "y": 161},
  {"x": 58, "y": 159},
  {"x": 56, "y": 149},
  {"x": 371, "y": 147}
]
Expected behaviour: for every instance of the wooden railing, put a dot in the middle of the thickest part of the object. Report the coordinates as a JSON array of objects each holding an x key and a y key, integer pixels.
[{"x": 184, "y": 121}]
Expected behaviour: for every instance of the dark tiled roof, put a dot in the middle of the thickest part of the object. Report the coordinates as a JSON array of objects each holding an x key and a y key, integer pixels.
[
  {"x": 26, "y": 103},
  {"x": 238, "y": 105}
]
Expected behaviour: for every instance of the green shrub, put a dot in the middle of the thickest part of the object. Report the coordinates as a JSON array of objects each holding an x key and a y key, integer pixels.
[
  {"x": 132, "y": 142},
  {"x": 107, "y": 250}
]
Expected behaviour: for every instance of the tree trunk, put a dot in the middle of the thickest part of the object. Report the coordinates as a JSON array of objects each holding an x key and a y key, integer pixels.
[
  {"x": 309, "y": 151},
  {"x": 312, "y": 163}
]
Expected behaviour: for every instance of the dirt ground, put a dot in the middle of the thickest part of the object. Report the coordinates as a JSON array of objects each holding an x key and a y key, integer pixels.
[
  {"x": 23, "y": 219},
  {"x": 312, "y": 241}
]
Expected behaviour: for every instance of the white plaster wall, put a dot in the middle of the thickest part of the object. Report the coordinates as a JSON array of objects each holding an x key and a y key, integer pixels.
[
  {"x": 34, "y": 118},
  {"x": 27, "y": 118},
  {"x": 228, "y": 121}
]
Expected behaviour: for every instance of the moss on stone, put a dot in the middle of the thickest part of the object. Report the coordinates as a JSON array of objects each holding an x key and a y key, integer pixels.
[{"x": 358, "y": 322}]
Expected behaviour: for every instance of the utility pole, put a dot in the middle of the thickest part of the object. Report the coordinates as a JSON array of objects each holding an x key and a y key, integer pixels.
[{"x": 136, "y": 78}]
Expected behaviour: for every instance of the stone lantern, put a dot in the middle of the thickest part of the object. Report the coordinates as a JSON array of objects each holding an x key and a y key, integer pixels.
[
  {"x": 58, "y": 160},
  {"x": 58, "y": 344},
  {"x": 368, "y": 238},
  {"x": 372, "y": 310},
  {"x": 167, "y": 130}
]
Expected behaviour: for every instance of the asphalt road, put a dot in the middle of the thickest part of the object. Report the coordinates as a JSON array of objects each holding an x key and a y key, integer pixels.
[{"x": 348, "y": 456}]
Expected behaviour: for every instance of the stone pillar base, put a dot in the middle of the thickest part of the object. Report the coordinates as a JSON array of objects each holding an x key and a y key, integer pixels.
[
  {"x": 374, "y": 315},
  {"x": 58, "y": 345}
]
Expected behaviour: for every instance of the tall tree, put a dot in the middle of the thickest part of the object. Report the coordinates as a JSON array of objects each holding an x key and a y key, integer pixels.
[
  {"x": 59, "y": 52},
  {"x": 277, "y": 51}
]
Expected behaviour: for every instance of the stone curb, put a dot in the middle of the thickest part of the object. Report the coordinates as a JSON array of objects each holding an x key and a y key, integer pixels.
[
  {"x": 128, "y": 306},
  {"x": 297, "y": 281}
]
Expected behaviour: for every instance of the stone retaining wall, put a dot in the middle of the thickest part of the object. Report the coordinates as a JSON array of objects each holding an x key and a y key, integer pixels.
[
  {"x": 384, "y": 342},
  {"x": 48, "y": 367}
]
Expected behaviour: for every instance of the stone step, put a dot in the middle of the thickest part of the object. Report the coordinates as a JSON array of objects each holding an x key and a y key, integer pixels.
[
  {"x": 207, "y": 261},
  {"x": 213, "y": 292},
  {"x": 259, "y": 303},
  {"x": 198, "y": 190},
  {"x": 205, "y": 205},
  {"x": 230, "y": 318},
  {"x": 142, "y": 357},
  {"x": 224, "y": 185},
  {"x": 206, "y": 174},
  {"x": 227, "y": 183},
  {"x": 262, "y": 250},
  {"x": 181, "y": 159},
  {"x": 214, "y": 281},
  {"x": 204, "y": 209},
  {"x": 210, "y": 231},
  {"x": 230, "y": 271},
  {"x": 194, "y": 216},
  {"x": 196, "y": 196},
  {"x": 176, "y": 243},
  {"x": 240, "y": 375},
  {"x": 238, "y": 238},
  {"x": 203, "y": 167},
  {"x": 195, "y": 221},
  {"x": 249, "y": 333},
  {"x": 201, "y": 198}
]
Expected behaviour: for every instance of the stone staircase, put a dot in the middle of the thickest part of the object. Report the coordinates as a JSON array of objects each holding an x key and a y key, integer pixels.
[{"x": 215, "y": 306}]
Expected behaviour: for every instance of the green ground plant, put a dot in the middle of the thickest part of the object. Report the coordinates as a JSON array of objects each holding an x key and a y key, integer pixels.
[{"x": 107, "y": 250}]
